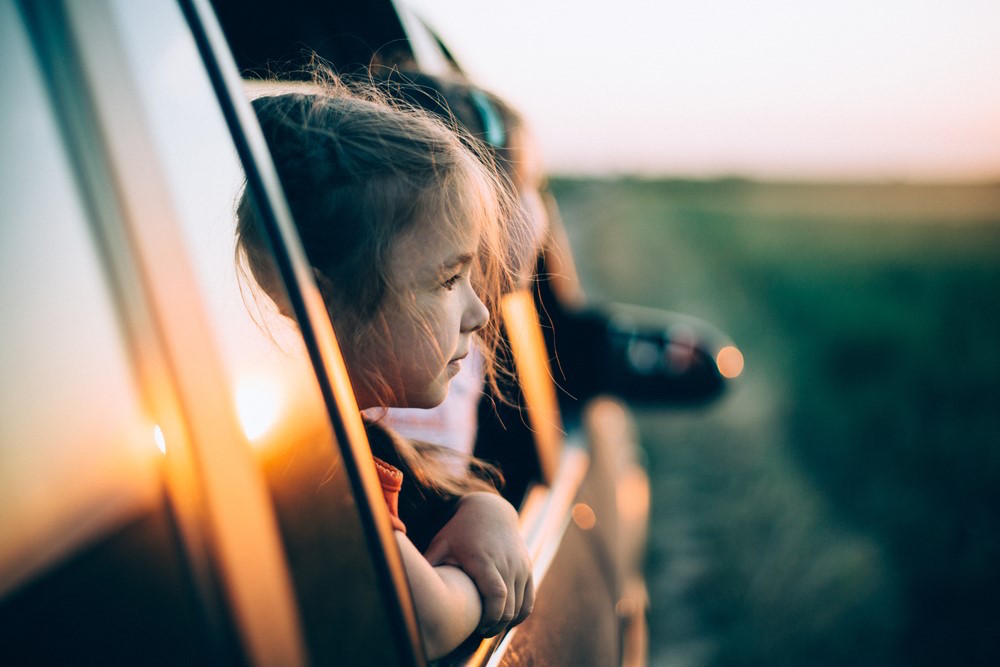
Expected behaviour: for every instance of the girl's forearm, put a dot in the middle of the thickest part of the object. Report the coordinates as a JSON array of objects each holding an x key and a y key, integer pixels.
[{"x": 447, "y": 603}]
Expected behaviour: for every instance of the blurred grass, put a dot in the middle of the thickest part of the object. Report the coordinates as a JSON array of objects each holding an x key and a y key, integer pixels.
[{"x": 842, "y": 504}]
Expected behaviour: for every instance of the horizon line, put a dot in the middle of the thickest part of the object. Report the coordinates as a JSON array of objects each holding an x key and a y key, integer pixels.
[{"x": 775, "y": 179}]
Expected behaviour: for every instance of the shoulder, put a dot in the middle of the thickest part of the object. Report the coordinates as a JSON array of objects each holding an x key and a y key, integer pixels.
[{"x": 422, "y": 507}]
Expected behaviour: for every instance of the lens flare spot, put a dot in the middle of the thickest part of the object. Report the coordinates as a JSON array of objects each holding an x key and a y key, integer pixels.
[
  {"x": 161, "y": 442},
  {"x": 626, "y": 608},
  {"x": 583, "y": 516},
  {"x": 258, "y": 403},
  {"x": 730, "y": 361}
]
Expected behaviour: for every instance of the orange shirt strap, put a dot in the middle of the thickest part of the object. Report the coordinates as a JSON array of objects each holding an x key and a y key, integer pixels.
[{"x": 391, "y": 479}]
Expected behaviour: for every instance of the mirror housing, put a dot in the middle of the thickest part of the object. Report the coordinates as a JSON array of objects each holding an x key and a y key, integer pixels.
[{"x": 644, "y": 355}]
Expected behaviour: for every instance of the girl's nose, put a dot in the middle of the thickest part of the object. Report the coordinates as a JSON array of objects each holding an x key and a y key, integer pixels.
[{"x": 475, "y": 316}]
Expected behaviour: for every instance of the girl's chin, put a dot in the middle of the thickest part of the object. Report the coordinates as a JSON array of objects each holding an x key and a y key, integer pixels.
[{"x": 433, "y": 397}]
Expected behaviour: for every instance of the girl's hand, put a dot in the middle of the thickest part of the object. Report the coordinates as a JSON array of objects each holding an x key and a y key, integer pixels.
[{"x": 484, "y": 541}]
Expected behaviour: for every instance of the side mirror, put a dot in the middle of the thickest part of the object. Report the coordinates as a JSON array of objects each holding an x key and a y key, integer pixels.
[
  {"x": 644, "y": 355},
  {"x": 659, "y": 355}
]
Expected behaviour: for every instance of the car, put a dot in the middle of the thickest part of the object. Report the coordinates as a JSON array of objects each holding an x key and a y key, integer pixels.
[{"x": 185, "y": 474}]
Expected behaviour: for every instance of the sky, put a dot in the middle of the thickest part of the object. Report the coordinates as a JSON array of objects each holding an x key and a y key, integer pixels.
[{"x": 904, "y": 90}]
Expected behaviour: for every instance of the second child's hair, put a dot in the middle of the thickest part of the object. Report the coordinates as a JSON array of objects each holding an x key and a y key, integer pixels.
[{"x": 358, "y": 172}]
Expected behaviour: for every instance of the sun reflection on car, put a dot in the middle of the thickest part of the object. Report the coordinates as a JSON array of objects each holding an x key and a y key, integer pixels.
[
  {"x": 161, "y": 442},
  {"x": 258, "y": 404}
]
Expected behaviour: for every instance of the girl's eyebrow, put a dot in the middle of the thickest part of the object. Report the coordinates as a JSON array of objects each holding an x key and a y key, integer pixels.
[{"x": 457, "y": 261}]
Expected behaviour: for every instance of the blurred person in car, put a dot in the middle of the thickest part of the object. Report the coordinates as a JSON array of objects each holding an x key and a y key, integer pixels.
[{"x": 407, "y": 231}]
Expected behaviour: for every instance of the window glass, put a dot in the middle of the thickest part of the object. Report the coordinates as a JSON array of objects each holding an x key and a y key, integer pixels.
[
  {"x": 273, "y": 387},
  {"x": 71, "y": 420},
  {"x": 88, "y": 540}
]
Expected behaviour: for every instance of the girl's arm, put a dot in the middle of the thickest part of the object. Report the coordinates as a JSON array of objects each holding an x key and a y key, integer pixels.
[
  {"x": 446, "y": 600},
  {"x": 483, "y": 539}
]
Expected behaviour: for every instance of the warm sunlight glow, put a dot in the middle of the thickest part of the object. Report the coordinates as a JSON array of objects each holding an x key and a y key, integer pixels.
[
  {"x": 258, "y": 403},
  {"x": 730, "y": 361},
  {"x": 160, "y": 440}
]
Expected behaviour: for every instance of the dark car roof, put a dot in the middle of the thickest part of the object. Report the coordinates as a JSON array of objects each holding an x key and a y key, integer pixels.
[{"x": 345, "y": 34}]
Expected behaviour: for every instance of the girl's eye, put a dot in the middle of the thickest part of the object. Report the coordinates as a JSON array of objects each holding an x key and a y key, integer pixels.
[{"x": 451, "y": 282}]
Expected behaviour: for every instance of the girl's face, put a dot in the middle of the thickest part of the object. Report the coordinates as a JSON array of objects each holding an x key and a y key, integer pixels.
[{"x": 432, "y": 310}]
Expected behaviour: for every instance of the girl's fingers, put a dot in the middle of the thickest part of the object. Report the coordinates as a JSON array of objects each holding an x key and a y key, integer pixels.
[
  {"x": 520, "y": 600},
  {"x": 495, "y": 595},
  {"x": 510, "y": 609},
  {"x": 527, "y": 598}
]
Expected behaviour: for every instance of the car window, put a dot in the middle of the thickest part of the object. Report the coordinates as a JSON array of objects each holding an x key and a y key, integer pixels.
[
  {"x": 60, "y": 336},
  {"x": 81, "y": 465}
]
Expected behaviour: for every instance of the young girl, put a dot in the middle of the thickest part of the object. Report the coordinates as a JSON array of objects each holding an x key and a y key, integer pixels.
[{"x": 404, "y": 228}]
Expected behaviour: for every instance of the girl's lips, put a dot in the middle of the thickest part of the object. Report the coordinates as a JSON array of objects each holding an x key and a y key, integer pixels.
[{"x": 455, "y": 365}]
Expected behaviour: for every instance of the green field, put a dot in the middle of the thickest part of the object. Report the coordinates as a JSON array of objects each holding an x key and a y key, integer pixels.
[{"x": 842, "y": 504}]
